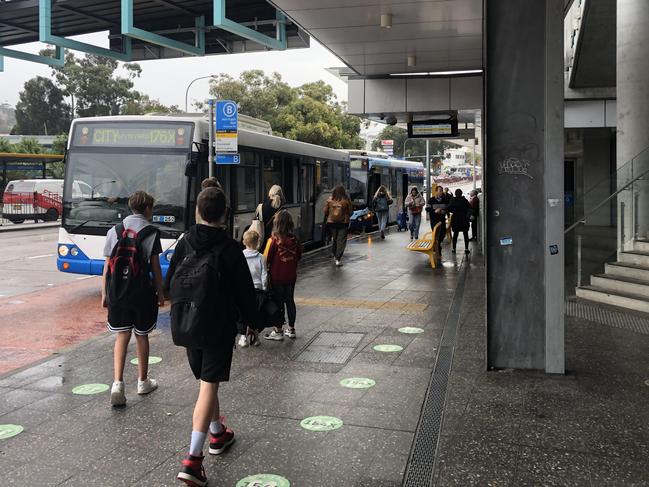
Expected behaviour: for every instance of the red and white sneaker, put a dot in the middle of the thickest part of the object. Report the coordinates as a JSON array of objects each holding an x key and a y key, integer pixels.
[
  {"x": 192, "y": 472},
  {"x": 219, "y": 443}
]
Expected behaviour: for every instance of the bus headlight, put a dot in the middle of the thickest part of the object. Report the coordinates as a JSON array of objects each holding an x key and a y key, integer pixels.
[
  {"x": 74, "y": 251},
  {"x": 63, "y": 250}
]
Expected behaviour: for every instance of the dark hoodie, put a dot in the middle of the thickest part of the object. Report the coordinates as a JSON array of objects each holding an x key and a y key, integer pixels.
[
  {"x": 235, "y": 278},
  {"x": 283, "y": 256}
]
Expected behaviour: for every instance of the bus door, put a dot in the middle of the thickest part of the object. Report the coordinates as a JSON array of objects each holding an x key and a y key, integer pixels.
[
  {"x": 374, "y": 183},
  {"x": 307, "y": 200}
]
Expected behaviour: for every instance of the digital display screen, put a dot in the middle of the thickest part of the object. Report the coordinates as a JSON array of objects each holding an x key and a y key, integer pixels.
[
  {"x": 433, "y": 128},
  {"x": 132, "y": 135}
]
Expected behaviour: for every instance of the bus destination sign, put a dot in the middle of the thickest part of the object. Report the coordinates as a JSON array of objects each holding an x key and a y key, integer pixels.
[{"x": 132, "y": 135}]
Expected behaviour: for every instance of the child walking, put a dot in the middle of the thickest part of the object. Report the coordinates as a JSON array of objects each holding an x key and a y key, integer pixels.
[
  {"x": 284, "y": 254},
  {"x": 230, "y": 297},
  {"x": 248, "y": 334},
  {"x": 132, "y": 253}
]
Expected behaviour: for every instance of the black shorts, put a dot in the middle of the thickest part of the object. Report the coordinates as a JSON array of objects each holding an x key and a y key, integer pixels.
[
  {"x": 213, "y": 364},
  {"x": 142, "y": 319}
]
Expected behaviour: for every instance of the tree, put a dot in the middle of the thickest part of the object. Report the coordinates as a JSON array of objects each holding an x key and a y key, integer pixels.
[
  {"x": 309, "y": 113},
  {"x": 141, "y": 104},
  {"x": 92, "y": 84},
  {"x": 28, "y": 145},
  {"x": 41, "y": 109}
]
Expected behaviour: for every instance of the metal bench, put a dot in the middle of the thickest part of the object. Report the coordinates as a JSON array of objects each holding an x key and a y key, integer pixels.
[{"x": 427, "y": 245}]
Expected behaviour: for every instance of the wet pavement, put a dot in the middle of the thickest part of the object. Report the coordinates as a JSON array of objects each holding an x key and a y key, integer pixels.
[{"x": 500, "y": 428}]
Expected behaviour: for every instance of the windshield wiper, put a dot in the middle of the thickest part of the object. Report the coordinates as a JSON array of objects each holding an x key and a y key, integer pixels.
[
  {"x": 99, "y": 224},
  {"x": 76, "y": 227}
]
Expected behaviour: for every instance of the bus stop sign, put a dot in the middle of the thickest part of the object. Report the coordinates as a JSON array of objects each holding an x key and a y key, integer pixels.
[{"x": 227, "y": 116}]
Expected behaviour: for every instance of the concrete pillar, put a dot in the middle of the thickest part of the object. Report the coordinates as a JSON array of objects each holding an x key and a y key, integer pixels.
[
  {"x": 524, "y": 184},
  {"x": 633, "y": 110}
]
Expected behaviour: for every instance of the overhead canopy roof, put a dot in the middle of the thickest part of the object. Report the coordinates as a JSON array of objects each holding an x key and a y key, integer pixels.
[
  {"x": 175, "y": 19},
  {"x": 443, "y": 35}
]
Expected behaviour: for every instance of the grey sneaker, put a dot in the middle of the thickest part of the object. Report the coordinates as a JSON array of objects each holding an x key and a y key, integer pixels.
[
  {"x": 290, "y": 332},
  {"x": 274, "y": 335},
  {"x": 117, "y": 396},
  {"x": 145, "y": 386}
]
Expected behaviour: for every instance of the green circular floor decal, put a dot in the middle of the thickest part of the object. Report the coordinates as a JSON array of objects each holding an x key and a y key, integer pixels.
[
  {"x": 411, "y": 330},
  {"x": 152, "y": 360},
  {"x": 388, "y": 348},
  {"x": 357, "y": 383},
  {"x": 9, "y": 430},
  {"x": 264, "y": 480},
  {"x": 321, "y": 423},
  {"x": 88, "y": 389}
]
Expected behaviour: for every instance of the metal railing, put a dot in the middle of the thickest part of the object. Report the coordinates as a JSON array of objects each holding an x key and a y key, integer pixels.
[{"x": 614, "y": 213}]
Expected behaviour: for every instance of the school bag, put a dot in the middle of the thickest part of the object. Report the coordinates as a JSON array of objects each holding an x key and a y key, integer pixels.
[
  {"x": 127, "y": 277},
  {"x": 381, "y": 204},
  {"x": 197, "y": 301},
  {"x": 336, "y": 211}
]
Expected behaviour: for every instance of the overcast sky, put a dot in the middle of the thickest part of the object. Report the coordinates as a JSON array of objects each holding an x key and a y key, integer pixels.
[{"x": 167, "y": 79}]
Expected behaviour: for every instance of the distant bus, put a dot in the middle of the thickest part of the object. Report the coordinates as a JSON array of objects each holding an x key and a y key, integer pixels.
[
  {"x": 369, "y": 170},
  {"x": 167, "y": 156}
]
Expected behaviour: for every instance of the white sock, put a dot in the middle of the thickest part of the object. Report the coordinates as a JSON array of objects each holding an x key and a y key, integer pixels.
[
  {"x": 196, "y": 445},
  {"x": 216, "y": 427}
]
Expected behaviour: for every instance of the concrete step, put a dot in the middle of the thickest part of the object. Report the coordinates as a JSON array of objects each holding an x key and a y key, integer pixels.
[
  {"x": 636, "y": 257},
  {"x": 621, "y": 300},
  {"x": 621, "y": 284},
  {"x": 641, "y": 245},
  {"x": 624, "y": 269}
]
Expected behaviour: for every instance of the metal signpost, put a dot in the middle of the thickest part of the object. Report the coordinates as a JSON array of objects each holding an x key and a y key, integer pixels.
[{"x": 226, "y": 130}]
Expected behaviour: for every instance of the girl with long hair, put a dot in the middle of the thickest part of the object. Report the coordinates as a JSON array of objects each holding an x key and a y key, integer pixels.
[
  {"x": 269, "y": 208},
  {"x": 284, "y": 254},
  {"x": 337, "y": 211},
  {"x": 381, "y": 205}
]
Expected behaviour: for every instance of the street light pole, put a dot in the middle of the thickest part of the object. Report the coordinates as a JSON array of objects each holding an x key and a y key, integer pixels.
[{"x": 189, "y": 86}]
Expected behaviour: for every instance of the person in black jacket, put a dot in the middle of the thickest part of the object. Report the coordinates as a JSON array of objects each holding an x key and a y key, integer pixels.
[
  {"x": 437, "y": 207},
  {"x": 211, "y": 366},
  {"x": 269, "y": 208},
  {"x": 460, "y": 208}
]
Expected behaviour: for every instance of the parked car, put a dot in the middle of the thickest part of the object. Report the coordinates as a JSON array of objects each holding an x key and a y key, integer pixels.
[{"x": 33, "y": 199}]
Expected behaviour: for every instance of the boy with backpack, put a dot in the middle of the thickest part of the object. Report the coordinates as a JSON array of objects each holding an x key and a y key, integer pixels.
[
  {"x": 132, "y": 253},
  {"x": 210, "y": 289}
]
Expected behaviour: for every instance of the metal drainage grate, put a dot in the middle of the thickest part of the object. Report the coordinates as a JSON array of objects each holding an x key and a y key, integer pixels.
[
  {"x": 605, "y": 316},
  {"x": 330, "y": 347},
  {"x": 421, "y": 464}
]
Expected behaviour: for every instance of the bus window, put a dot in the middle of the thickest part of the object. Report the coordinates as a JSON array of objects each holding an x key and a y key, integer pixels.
[
  {"x": 339, "y": 174},
  {"x": 323, "y": 181},
  {"x": 290, "y": 179},
  {"x": 246, "y": 188},
  {"x": 272, "y": 171}
]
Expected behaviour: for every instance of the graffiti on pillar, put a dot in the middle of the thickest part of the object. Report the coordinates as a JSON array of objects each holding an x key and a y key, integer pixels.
[
  {"x": 514, "y": 165},
  {"x": 522, "y": 153}
]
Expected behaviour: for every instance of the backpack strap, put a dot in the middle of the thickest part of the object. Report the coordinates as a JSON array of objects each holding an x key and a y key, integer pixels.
[
  {"x": 119, "y": 230},
  {"x": 146, "y": 232}
]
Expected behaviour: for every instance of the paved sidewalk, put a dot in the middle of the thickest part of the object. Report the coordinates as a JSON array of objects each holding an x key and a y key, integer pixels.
[{"x": 71, "y": 439}]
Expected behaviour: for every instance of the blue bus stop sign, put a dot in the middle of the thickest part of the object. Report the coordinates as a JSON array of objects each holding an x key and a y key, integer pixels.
[
  {"x": 227, "y": 159},
  {"x": 227, "y": 116}
]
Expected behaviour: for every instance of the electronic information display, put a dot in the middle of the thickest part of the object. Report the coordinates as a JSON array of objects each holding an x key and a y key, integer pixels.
[
  {"x": 163, "y": 135},
  {"x": 433, "y": 128}
]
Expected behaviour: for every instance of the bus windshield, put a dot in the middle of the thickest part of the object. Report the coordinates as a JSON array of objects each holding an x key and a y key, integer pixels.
[{"x": 98, "y": 184}]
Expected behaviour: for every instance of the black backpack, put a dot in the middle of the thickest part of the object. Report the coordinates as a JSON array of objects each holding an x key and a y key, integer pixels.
[
  {"x": 127, "y": 277},
  {"x": 197, "y": 300}
]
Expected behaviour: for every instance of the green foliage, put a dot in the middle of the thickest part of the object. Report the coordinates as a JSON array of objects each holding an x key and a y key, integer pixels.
[
  {"x": 309, "y": 113},
  {"x": 28, "y": 145},
  {"x": 414, "y": 147},
  {"x": 41, "y": 109},
  {"x": 141, "y": 104},
  {"x": 93, "y": 86},
  {"x": 5, "y": 145},
  {"x": 60, "y": 144}
]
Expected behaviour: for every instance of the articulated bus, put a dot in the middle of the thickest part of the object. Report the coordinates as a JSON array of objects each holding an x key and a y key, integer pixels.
[
  {"x": 369, "y": 170},
  {"x": 167, "y": 156}
]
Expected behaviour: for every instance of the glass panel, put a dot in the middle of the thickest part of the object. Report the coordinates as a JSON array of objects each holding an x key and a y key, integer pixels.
[
  {"x": 272, "y": 171},
  {"x": 246, "y": 188}
]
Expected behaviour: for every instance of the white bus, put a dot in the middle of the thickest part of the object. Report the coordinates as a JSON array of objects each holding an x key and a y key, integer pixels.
[{"x": 167, "y": 156}]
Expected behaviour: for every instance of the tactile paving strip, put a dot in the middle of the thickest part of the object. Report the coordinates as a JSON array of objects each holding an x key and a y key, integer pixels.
[
  {"x": 421, "y": 464},
  {"x": 605, "y": 316},
  {"x": 330, "y": 347}
]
